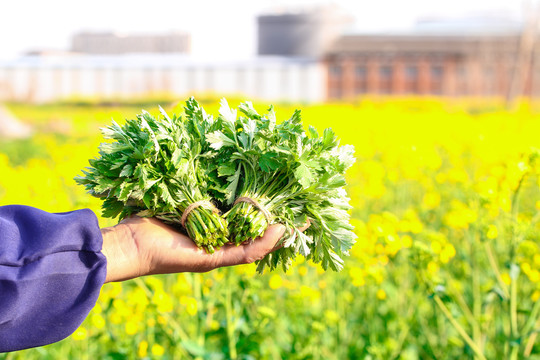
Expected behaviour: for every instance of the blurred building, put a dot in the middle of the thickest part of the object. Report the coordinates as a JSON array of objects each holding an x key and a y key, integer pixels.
[
  {"x": 303, "y": 56},
  {"x": 112, "y": 43},
  {"x": 43, "y": 79},
  {"x": 433, "y": 59},
  {"x": 305, "y": 33}
]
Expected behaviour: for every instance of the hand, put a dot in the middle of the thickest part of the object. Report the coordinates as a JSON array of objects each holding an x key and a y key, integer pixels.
[{"x": 144, "y": 246}]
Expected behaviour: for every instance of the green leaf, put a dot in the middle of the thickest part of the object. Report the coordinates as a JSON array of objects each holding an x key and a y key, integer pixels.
[
  {"x": 248, "y": 110},
  {"x": 226, "y": 169},
  {"x": 165, "y": 194},
  {"x": 269, "y": 162},
  {"x": 329, "y": 138},
  {"x": 127, "y": 171},
  {"x": 313, "y": 132},
  {"x": 125, "y": 191},
  {"x": 226, "y": 113},
  {"x": 218, "y": 139},
  {"x": 303, "y": 175},
  {"x": 233, "y": 184},
  {"x": 176, "y": 157}
]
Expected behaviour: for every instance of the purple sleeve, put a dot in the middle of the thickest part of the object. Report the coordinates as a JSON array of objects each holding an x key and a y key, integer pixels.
[{"x": 51, "y": 273}]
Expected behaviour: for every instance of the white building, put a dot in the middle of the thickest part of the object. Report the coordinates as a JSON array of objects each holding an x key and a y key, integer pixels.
[{"x": 49, "y": 78}]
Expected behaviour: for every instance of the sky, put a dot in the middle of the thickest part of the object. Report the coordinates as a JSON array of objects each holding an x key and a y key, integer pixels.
[{"x": 218, "y": 28}]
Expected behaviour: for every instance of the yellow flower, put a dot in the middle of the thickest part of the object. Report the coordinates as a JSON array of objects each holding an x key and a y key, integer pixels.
[
  {"x": 381, "y": 294},
  {"x": 431, "y": 200},
  {"x": 331, "y": 316},
  {"x": 526, "y": 268},
  {"x": 506, "y": 278},
  {"x": 383, "y": 260},
  {"x": 357, "y": 276},
  {"x": 492, "y": 232},
  {"x": 416, "y": 227},
  {"x": 302, "y": 270},
  {"x": 131, "y": 327},
  {"x": 406, "y": 241},
  {"x": 181, "y": 286},
  {"x": 115, "y": 318},
  {"x": 448, "y": 252},
  {"x": 154, "y": 282},
  {"x": 161, "y": 320},
  {"x": 275, "y": 282},
  {"x": 163, "y": 301},
  {"x": 214, "y": 325},
  {"x": 218, "y": 275},
  {"x": 536, "y": 260},
  {"x": 191, "y": 306},
  {"x": 79, "y": 334},
  {"x": 535, "y": 296},
  {"x": 114, "y": 289},
  {"x": 322, "y": 284},
  {"x": 534, "y": 276},
  {"x": 97, "y": 321},
  {"x": 432, "y": 268},
  {"x": 143, "y": 349},
  {"x": 436, "y": 247},
  {"x": 157, "y": 350},
  {"x": 309, "y": 293},
  {"x": 379, "y": 249}
]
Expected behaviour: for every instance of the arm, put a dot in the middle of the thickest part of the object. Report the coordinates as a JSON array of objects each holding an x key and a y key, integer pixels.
[
  {"x": 51, "y": 272},
  {"x": 52, "y": 266}
]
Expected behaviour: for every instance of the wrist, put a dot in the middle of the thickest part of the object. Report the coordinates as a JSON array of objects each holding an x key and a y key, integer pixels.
[{"x": 120, "y": 265}]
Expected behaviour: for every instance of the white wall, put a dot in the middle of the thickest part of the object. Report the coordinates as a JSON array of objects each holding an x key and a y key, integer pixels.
[{"x": 45, "y": 79}]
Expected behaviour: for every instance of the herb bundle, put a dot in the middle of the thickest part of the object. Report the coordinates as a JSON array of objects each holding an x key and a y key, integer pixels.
[{"x": 187, "y": 170}]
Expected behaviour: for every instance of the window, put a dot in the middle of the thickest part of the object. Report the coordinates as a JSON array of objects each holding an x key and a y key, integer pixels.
[
  {"x": 385, "y": 72},
  {"x": 411, "y": 72},
  {"x": 437, "y": 71},
  {"x": 360, "y": 72},
  {"x": 335, "y": 70}
]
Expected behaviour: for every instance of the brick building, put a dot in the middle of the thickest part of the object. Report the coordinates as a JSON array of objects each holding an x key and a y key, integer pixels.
[{"x": 424, "y": 64}]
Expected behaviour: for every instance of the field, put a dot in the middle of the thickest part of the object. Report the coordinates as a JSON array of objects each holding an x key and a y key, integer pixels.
[{"x": 446, "y": 206}]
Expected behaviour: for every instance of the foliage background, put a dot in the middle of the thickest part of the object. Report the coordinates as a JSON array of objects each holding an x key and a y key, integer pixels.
[{"x": 446, "y": 199}]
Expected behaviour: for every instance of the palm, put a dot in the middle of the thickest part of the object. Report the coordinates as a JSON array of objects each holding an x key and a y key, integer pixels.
[{"x": 144, "y": 246}]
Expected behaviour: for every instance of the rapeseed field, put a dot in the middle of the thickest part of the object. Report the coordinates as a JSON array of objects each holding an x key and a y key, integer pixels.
[{"x": 446, "y": 206}]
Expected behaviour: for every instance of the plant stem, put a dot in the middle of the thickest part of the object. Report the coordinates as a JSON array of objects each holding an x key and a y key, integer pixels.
[
  {"x": 197, "y": 292},
  {"x": 495, "y": 267},
  {"x": 529, "y": 325},
  {"x": 532, "y": 318},
  {"x": 515, "y": 196},
  {"x": 476, "y": 294},
  {"x": 468, "y": 314},
  {"x": 513, "y": 308},
  {"x": 459, "y": 328},
  {"x": 531, "y": 341},
  {"x": 230, "y": 326}
]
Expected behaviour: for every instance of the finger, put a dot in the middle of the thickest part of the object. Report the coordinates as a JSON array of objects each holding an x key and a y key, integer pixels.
[
  {"x": 251, "y": 252},
  {"x": 306, "y": 226}
]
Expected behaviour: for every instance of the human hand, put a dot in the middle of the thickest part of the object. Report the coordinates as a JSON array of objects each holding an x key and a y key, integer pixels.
[{"x": 144, "y": 246}]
